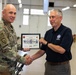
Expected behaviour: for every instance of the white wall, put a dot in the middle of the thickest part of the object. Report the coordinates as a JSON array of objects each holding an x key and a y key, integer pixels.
[
  {"x": 69, "y": 19},
  {"x": 38, "y": 24}
]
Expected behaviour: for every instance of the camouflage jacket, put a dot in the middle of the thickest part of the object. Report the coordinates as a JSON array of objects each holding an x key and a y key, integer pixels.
[{"x": 8, "y": 45}]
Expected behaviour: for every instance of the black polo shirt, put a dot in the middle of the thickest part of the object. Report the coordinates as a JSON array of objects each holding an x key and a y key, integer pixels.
[{"x": 62, "y": 37}]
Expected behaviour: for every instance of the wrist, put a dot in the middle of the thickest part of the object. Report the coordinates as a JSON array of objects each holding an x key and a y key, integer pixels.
[
  {"x": 46, "y": 44},
  {"x": 31, "y": 58}
]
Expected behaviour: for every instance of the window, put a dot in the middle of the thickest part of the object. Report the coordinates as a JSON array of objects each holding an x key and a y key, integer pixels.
[
  {"x": 26, "y": 17},
  {"x": 36, "y": 12},
  {"x": 26, "y": 11}
]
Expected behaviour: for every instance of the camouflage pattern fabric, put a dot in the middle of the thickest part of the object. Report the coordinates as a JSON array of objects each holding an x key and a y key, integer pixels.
[{"x": 8, "y": 47}]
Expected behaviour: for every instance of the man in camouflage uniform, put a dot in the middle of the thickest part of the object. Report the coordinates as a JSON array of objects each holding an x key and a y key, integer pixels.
[{"x": 8, "y": 42}]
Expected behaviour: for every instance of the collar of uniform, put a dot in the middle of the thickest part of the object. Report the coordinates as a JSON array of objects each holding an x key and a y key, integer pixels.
[
  {"x": 59, "y": 29},
  {"x": 5, "y": 22}
]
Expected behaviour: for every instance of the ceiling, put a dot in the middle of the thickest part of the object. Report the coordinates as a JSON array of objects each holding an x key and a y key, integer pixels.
[{"x": 57, "y": 3}]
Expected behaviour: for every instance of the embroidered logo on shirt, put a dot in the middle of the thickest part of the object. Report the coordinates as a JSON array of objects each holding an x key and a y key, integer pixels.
[{"x": 58, "y": 37}]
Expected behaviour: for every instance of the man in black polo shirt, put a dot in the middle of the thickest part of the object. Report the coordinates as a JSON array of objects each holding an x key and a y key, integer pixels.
[{"x": 57, "y": 46}]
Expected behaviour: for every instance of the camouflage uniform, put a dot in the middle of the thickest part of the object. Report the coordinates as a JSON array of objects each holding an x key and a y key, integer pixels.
[{"x": 8, "y": 48}]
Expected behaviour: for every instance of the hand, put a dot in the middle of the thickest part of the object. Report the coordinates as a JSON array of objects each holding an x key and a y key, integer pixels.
[
  {"x": 28, "y": 60},
  {"x": 42, "y": 41},
  {"x": 26, "y": 49}
]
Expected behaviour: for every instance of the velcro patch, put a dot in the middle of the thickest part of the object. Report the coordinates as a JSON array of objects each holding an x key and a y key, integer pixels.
[{"x": 3, "y": 39}]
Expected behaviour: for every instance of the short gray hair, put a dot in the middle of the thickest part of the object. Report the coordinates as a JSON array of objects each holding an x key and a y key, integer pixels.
[{"x": 58, "y": 11}]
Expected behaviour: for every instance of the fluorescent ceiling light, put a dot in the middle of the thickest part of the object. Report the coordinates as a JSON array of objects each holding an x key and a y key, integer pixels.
[
  {"x": 19, "y": 1},
  {"x": 66, "y": 8},
  {"x": 74, "y": 5},
  {"x": 20, "y": 5}
]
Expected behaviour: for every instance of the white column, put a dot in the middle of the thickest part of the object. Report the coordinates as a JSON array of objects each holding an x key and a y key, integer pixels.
[
  {"x": 0, "y": 9},
  {"x": 45, "y": 6}
]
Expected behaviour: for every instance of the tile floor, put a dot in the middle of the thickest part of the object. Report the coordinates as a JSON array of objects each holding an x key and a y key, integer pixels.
[{"x": 37, "y": 67}]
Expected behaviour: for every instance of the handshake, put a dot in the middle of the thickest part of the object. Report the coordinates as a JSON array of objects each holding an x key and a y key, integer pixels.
[{"x": 28, "y": 60}]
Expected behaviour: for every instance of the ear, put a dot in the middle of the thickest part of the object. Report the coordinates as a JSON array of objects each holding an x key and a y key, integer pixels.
[
  {"x": 61, "y": 17},
  {"x": 2, "y": 12}
]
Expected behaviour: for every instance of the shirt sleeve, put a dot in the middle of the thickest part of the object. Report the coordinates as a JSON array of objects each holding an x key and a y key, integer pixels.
[{"x": 67, "y": 40}]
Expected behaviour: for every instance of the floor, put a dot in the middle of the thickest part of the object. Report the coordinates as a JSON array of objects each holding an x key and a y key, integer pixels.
[{"x": 37, "y": 66}]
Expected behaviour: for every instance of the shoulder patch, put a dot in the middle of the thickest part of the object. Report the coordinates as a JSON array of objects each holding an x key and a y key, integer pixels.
[{"x": 3, "y": 39}]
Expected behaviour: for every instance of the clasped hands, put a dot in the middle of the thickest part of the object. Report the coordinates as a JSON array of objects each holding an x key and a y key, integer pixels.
[{"x": 28, "y": 60}]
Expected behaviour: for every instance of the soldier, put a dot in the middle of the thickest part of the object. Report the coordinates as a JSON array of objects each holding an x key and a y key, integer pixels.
[{"x": 8, "y": 42}]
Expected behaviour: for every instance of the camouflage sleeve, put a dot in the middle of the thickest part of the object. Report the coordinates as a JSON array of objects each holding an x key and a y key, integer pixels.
[
  {"x": 21, "y": 59},
  {"x": 9, "y": 52},
  {"x": 18, "y": 43},
  {"x": 3, "y": 40},
  {"x": 19, "y": 46}
]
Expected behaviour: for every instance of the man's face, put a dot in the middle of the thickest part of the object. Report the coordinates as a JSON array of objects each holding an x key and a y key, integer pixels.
[
  {"x": 55, "y": 19},
  {"x": 9, "y": 14}
]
